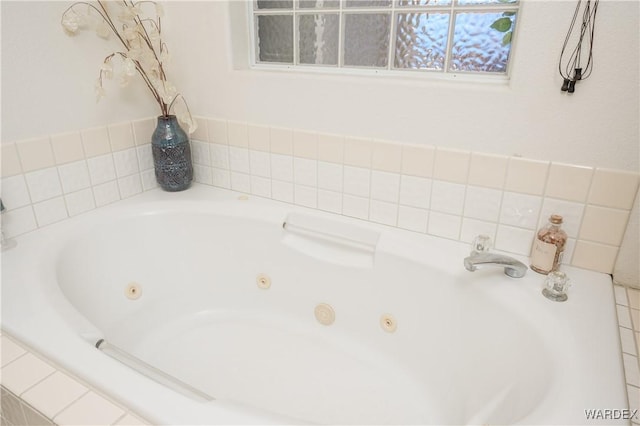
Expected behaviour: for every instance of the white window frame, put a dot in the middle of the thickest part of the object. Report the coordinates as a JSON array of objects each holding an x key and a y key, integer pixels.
[{"x": 389, "y": 71}]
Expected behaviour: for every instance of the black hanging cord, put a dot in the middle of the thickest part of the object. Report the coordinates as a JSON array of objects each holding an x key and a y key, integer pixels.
[{"x": 570, "y": 68}]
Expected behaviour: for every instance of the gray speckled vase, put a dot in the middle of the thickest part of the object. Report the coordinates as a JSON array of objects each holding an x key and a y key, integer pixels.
[{"x": 171, "y": 155}]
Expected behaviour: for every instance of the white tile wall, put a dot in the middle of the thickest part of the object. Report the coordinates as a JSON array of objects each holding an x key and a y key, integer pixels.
[
  {"x": 447, "y": 197},
  {"x": 15, "y": 192},
  {"x": 357, "y": 181},
  {"x": 74, "y": 176},
  {"x": 521, "y": 210},
  {"x": 101, "y": 169},
  {"x": 385, "y": 186},
  {"x": 67, "y": 147},
  {"x": 355, "y": 206},
  {"x": 121, "y": 136},
  {"x": 387, "y": 157},
  {"x": 526, "y": 176},
  {"x": 305, "y": 171},
  {"x": 415, "y": 191},
  {"x": 35, "y": 154},
  {"x": 445, "y": 192},
  {"x": 259, "y": 139},
  {"x": 444, "y": 225},
  {"x": 482, "y": 203},
  {"x": 239, "y": 159},
  {"x": 604, "y": 180},
  {"x": 569, "y": 182},
  {"x": 95, "y": 141},
  {"x": 418, "y": 160},
  {"x": 305, "y": 196},
  {"x": 357, "y": 152},
  {"x": 126, "y": 162},
  {"x": 330, "y": 176},
  {"x": 330, "y": 201},
  {"x": 451, "y": 165},
  {"x": 413, "y": 219},
  {"x": 80, "y": 201},
  {"x": 488, "y": 170},
  {"x": 50, "y": 211},
  {"x": 43, "y": 184},
  {"x": 282, "y": 191},
  {"x": 260, "y": 163},
  {"x": 331, "y": 148},
  {"x": 383, "y": 212},
  {"x": 261, "y": 186}
]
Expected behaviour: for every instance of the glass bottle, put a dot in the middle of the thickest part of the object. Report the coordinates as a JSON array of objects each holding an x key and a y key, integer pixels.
[{"x": 548, "y": 247}]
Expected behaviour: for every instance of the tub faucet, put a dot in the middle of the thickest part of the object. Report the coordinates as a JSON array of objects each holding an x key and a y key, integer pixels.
[
  {"x": 2, "y": 242},
  {"x": 5, "y": 243},
  {"x": 512, "y": 267}
]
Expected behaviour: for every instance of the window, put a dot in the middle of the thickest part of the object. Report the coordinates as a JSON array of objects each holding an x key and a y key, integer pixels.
[{"x": 446, "y": 36}]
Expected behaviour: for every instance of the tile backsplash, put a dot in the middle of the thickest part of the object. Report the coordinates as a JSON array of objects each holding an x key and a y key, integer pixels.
[{"x": 445, "y": 192}]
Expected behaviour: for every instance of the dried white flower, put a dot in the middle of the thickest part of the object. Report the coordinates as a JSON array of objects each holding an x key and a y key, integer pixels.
[
  {"x": 193, "y": 125},
  {"x": 187, "y": 120},
  {"x": 129, "y": 13},
  {"x": 99, "y": 90},
  {"x": 124, "y": 80},
  {"x": 70, "y": 22},
  {"x": 106, "y": 69},
  {"x": 129, "y": 67},
  {"x": 131, "y": 33},
  {"x": 154, "y": 34},
  {"x": 142, "y": 51},
  {"x": 170, "y": 92},
  {"x": 165, "y": 57},
  {"x": 103, "y": 30}
]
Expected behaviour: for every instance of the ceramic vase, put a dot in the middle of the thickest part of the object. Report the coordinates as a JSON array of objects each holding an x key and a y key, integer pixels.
[{"x": 171, "y": 155}]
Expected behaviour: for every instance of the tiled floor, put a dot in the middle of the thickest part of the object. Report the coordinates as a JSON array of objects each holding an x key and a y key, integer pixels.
[{"x": 628, "y": 308}]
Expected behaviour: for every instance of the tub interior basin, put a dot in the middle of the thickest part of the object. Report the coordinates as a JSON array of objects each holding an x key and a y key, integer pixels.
[{"x": 457, "y": 355}]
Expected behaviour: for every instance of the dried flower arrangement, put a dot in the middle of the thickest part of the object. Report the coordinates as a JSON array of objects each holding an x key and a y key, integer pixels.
[{"x": 144, "y": 53}]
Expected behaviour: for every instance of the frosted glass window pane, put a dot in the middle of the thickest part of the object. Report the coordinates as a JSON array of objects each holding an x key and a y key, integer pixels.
[
  {"x": 368, "y": 3},
  {"x": 366, "y": 39},
  {"x": 413, "y": 3},
  {"x": 318, "y": 40},
  {"x": 421, "y": 40},
  {"x": 319, "y": 4},
  {"x": 480, "y": 2},
  {"x": 275, "y": 38},
  {"x": 477, "y": 46},
  {"x": 275, "y": 4}
]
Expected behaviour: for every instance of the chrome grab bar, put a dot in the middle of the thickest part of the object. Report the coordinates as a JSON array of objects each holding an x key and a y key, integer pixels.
[{"x": 150, "y": 371}]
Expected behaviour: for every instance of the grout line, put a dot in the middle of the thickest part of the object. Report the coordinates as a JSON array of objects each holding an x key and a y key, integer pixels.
[
  {"x": 125, "y": 414},
  {"x": 42, "y": 379},
  {"x": 71, "y": 403},
  {"x": 17, "y": 358}
]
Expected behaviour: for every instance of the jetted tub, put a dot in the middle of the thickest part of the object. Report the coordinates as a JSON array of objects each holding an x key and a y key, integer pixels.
[{"x": 253, "y": 311}]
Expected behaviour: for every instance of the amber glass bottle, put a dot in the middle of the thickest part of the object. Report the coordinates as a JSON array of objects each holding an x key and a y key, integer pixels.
[{"x": 548, "y": 247}]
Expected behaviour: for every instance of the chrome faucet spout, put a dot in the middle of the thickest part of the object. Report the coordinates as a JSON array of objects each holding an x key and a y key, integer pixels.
[{"x": 512, "y": 267}]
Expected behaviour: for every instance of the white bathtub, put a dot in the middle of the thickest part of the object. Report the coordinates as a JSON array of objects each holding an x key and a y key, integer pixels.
[{"x": 468, "y": 347}]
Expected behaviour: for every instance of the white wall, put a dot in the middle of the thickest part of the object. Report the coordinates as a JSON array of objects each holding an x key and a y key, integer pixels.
[
  {"x": 48, "y": 77},
  {"x": 47, "y": 87}
]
